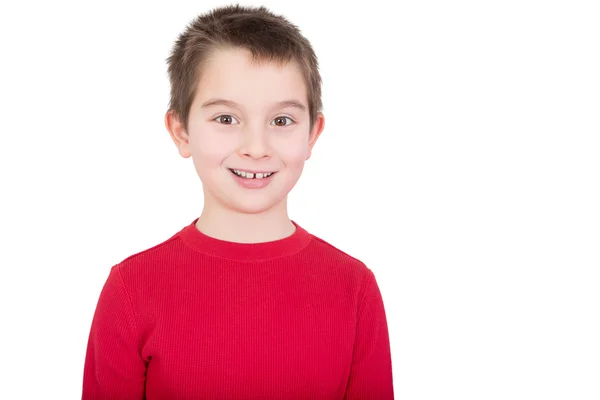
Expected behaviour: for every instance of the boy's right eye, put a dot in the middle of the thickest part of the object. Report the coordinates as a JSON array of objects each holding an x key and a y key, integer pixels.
[{"x": 225, "y": 119}]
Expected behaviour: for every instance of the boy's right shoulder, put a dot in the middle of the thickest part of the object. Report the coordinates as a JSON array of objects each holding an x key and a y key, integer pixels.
[{"x": 151, "y": 258}]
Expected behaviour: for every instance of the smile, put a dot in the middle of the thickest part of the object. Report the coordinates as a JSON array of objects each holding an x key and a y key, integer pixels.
[
  {"x": 252, "y": 180},
  {"x": 251, "y": 175}
]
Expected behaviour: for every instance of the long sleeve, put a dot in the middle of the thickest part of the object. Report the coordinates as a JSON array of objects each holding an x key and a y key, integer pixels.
[
  {"x": 114, "y": 368},
  {"x": 371, "y": 370},
  {"x": 196, "y": 317}
]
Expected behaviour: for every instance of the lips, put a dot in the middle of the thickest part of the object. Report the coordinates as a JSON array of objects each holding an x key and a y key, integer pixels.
[{"x": 252, "y": 181}]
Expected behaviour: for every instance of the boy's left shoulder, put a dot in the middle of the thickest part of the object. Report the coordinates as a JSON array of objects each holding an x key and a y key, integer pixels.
[{"x": 334, "y": 254}]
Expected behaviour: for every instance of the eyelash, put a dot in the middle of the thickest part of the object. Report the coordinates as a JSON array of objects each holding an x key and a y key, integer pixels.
[{"x": 228, "y": 115}]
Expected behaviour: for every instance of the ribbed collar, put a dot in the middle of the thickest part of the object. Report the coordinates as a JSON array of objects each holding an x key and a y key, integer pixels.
[{"x": 245, "y": 251}]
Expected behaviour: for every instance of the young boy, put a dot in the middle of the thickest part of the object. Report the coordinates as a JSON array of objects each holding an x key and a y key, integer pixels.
[{"x": 242, "y": 303}]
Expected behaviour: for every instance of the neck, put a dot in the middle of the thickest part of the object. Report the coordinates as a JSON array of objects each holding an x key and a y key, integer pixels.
[{"x": 234, "y": 226}]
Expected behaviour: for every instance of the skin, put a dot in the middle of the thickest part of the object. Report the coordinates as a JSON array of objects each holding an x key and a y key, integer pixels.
[{"x": 258, "y": 134}]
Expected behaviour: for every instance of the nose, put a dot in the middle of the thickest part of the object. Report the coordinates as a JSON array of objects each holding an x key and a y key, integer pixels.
[{"x": 255, "y": 143}]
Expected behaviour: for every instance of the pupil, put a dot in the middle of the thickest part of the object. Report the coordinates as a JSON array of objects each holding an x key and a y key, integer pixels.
[{"x": 226, "y": 119}]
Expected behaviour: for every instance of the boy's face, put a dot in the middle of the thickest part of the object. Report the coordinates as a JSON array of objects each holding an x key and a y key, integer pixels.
[{"x": 238, "y": 121}]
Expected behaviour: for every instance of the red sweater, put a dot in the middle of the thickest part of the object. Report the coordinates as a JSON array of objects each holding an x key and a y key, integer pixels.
[{"x": 195, "y": 317}]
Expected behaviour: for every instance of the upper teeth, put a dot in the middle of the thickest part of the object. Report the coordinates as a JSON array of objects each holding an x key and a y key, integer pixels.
[{"x": 251, "y": 175}]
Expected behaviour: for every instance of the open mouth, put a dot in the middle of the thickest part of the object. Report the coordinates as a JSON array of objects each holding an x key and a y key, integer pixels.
[{"x": 250, "y": 175}]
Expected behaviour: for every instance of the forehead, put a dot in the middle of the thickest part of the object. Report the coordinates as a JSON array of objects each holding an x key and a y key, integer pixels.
[{"x": 231, "y": 74}]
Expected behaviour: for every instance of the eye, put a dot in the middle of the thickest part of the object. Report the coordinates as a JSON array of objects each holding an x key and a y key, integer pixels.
[
  {"x": 225, "y": 119},
  {"x": 280, "y": 121}
]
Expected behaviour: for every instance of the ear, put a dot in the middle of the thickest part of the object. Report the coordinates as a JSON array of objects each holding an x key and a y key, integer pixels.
[
  {"x": 315, "y": 132},
  {"x": 178, "y": 134}
]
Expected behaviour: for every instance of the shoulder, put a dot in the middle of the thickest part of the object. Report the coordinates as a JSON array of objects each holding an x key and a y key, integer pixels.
[
  {"x": 150, "y": 259},
  {"x": 347, "y": 270},
  {"x": 334, "y": 255},
  {"x": 324, "y": 246}
]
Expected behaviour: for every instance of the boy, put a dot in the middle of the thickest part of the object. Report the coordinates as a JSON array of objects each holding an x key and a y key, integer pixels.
[{"x": 242, "y": 303}]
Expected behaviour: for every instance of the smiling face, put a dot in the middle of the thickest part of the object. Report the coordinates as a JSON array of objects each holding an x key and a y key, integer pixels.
[{"x": 252, "y": 118}]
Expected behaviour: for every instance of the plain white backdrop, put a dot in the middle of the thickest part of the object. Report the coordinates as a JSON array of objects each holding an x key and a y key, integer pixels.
[{"x": 460, "y": 161}]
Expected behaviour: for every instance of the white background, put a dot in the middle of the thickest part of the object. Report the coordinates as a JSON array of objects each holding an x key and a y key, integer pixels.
[{"x": 460, "y": 161}]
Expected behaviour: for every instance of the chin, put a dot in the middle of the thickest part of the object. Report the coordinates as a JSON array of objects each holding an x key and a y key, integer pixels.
[{"x": 254, "y": 206}]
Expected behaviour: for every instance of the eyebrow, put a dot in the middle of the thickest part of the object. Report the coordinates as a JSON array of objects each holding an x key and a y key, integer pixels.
[{"x": 282, "y": 104}]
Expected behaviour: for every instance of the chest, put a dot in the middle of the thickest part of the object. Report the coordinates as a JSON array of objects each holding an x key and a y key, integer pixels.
[{"x": 250, "y": 346}]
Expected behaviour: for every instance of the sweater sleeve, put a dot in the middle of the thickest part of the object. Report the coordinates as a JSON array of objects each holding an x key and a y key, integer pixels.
[
  {"x": 371, "y": 370},
  {"x": 114, "y": 367}
]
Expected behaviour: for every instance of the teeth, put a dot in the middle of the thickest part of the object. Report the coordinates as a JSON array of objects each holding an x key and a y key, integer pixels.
[{"x": 250, "y": 175}]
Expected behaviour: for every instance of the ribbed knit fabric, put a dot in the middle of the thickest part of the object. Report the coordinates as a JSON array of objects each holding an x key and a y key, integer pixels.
[{"x": 195, "y": 317}]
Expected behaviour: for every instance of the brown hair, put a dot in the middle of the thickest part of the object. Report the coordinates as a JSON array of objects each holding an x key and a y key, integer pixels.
[{"x": 268, "y": 37}]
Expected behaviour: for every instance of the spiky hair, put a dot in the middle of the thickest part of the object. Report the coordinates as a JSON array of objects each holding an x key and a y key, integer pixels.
[{"x": 267, "y": 36}]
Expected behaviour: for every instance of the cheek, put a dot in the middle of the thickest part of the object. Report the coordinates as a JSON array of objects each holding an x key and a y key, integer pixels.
[
  {"x": 293, "y": 151},
  {"x": 210, "y": 148}
]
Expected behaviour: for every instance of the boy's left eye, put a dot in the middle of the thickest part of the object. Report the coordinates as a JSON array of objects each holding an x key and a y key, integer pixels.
[{"x": 280, "y": 121}]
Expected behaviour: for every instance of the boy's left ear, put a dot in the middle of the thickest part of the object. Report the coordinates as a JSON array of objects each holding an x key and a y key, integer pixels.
[{"x": 315, "y": 132}]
